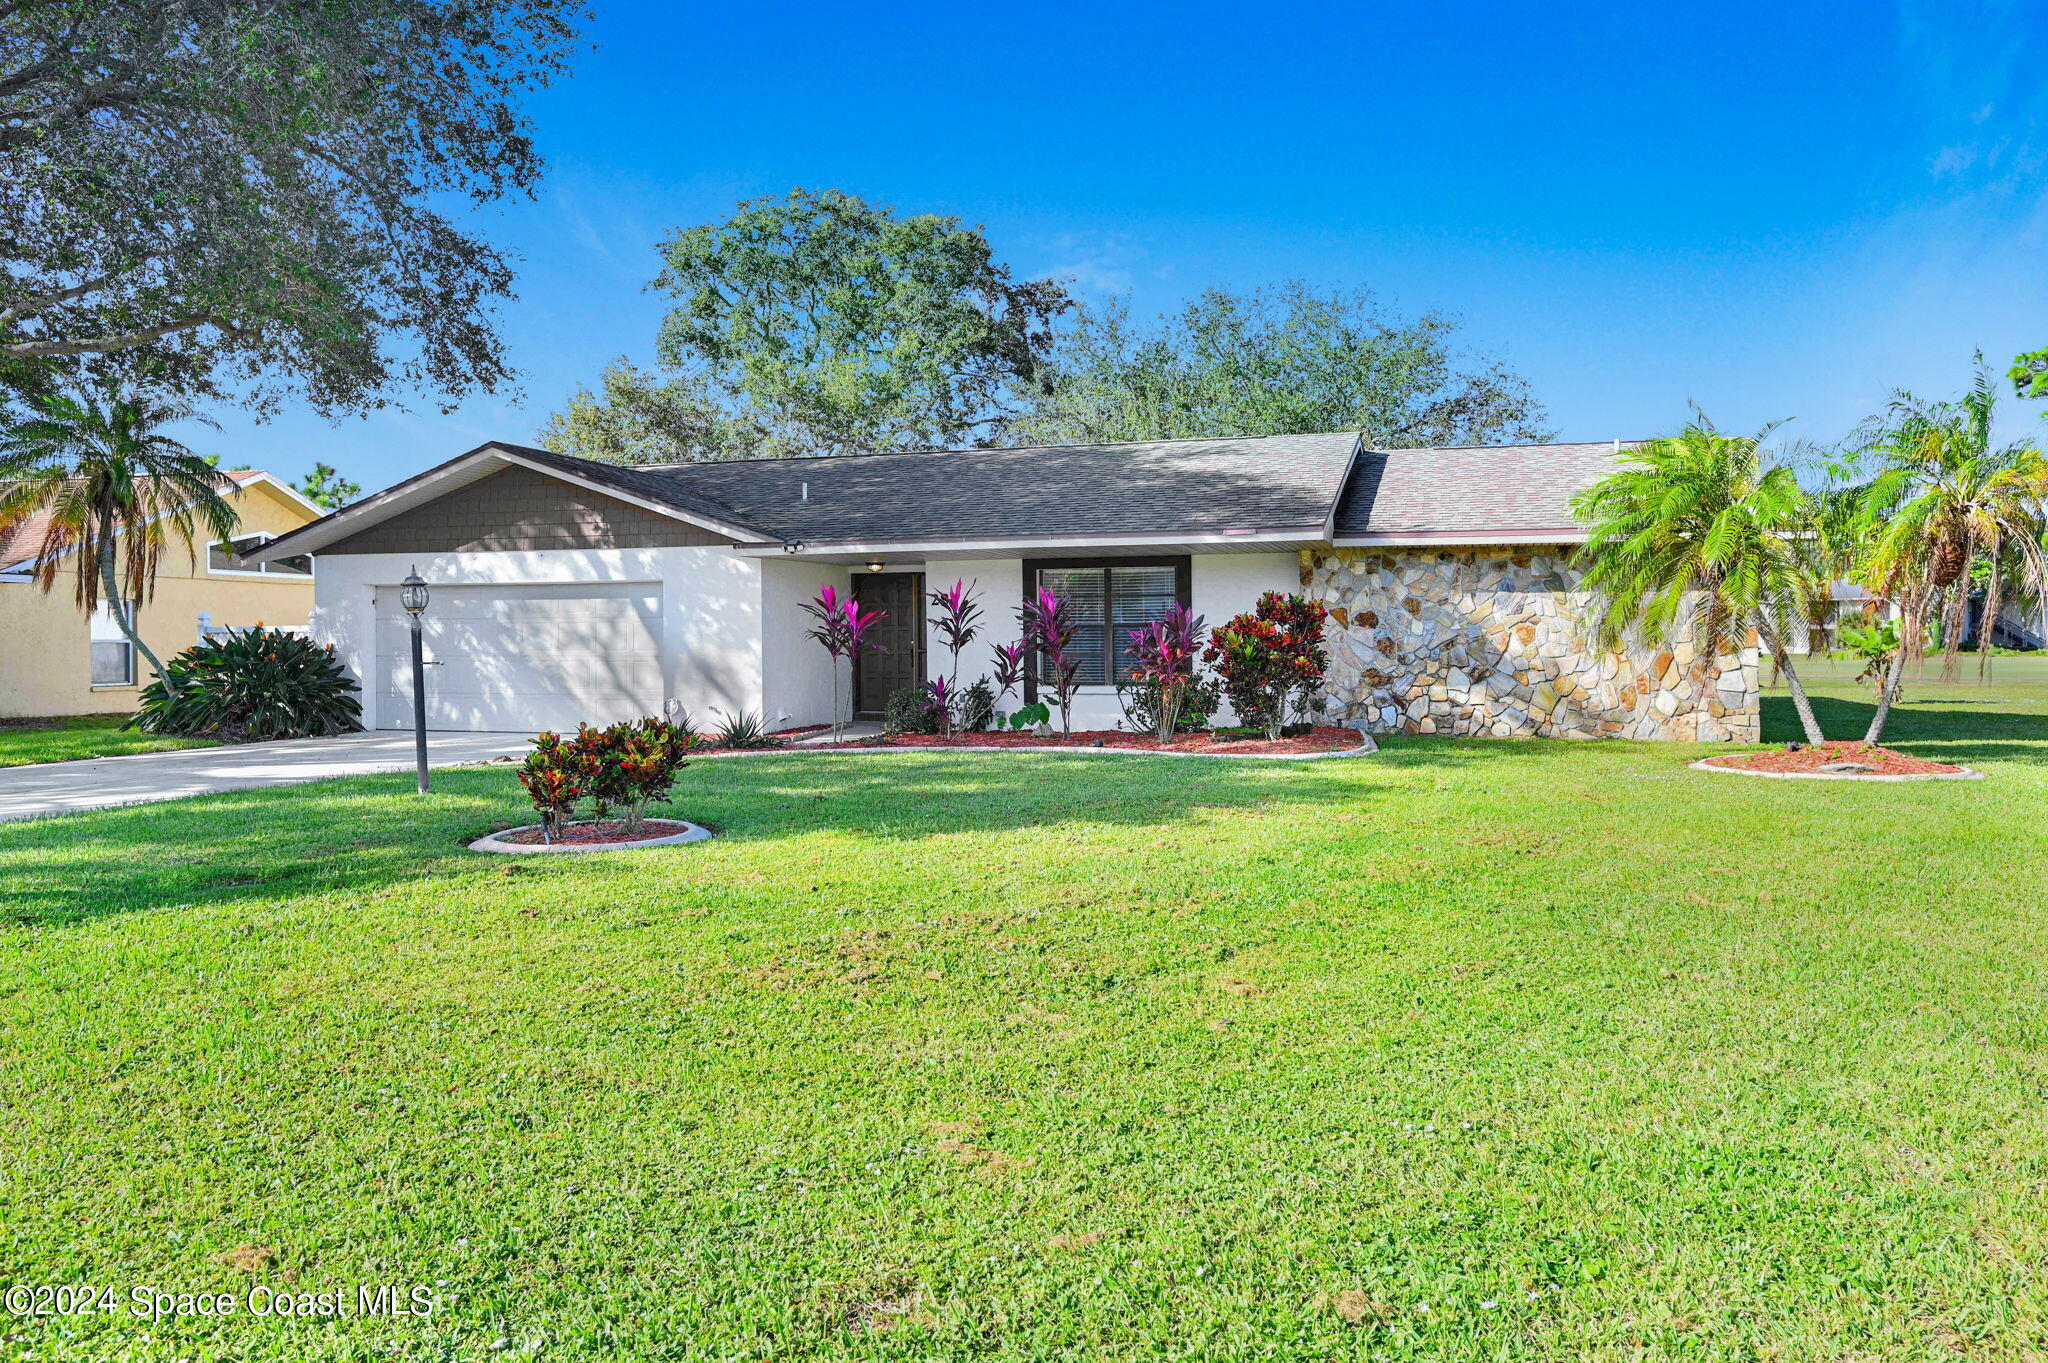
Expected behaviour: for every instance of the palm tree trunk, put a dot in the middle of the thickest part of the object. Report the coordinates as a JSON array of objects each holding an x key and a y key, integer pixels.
[
  {"x": 124, "y": 615},
  {"x": 1987, "y": 624},
  {"x": 1782, "y": 661},
  {"x": 1910, "y": 628}
]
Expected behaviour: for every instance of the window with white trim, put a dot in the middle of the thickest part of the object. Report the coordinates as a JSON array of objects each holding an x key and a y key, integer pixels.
[
  {"x": 223, "y": 556},
  {"x": 113, "y": 657}
]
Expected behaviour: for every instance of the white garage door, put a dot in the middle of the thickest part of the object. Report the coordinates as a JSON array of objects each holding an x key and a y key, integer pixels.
[{"x": 527, "y": 658}]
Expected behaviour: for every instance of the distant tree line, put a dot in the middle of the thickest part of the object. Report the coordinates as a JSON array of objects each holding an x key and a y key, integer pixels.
[{"x": 817, "y": 323}]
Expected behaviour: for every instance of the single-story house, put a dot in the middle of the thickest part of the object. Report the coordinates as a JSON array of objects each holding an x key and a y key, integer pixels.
[
  {"x": 56, "y": 660},
  {"x": 567, "y": 590}
]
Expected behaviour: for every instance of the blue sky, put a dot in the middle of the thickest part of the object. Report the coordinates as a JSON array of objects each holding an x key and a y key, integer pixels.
[{"x": 1777, "y": 211}]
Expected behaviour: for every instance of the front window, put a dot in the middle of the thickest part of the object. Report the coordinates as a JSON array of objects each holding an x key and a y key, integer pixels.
[
  {"x": 224, "y": 556},
  {"x": 1108, "y": 600}
]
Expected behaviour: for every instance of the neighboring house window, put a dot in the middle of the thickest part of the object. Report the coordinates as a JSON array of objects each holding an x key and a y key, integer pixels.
[
  {"x": 113, "y": 657},
  {"x": 1109, "y": 598},
  {"x": 224, "y": 556}
]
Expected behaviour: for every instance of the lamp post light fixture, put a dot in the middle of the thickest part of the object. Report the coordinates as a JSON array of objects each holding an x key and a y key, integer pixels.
[{"x": 412, "y": 594}]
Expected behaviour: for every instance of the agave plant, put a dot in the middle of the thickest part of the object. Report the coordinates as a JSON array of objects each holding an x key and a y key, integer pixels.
[{"x": 261, "y": 684}]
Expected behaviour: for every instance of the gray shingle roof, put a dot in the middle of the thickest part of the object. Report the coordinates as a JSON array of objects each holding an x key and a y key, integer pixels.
[
  {"x": 1476, "y": 489},
  {"x": 1177, "y": 486}
]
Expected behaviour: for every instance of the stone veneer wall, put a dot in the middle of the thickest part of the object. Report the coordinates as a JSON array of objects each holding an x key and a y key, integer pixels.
[{"x": 1491, "y": 641}]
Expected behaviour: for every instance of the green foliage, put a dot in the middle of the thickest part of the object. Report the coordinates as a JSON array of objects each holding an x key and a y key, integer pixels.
[
  {"x": 229, "y": 193},
  {"x": 1874, "y": 646},
  {"x": 830, "y": 325},
  {"x": 262, "y": 684},
  {"x": 913, "y": 710},
  {"x": 2029, "y": 374},
  {"x": 1275, "y": 362},
  {"x": 644, "y": 417},
  {"x": 977, "y": 706},
  {"x": 1201, "y": 696},
  {"x": 116, "y": 489},
  {"x": 1945, "y": 497},
  {"x": 325, "y": 488},
  {"x": 1696, "y": 534},
  {"x": 1031, "y": 716},
  {"x": 741, "y": 729}
]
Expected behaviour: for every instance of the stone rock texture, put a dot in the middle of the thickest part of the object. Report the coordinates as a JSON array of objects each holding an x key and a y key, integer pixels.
[{"x": 1492, "y": 642}]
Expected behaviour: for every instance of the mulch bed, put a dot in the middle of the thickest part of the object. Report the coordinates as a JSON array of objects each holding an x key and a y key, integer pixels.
[
  {"x": 1316, "y": 740},
  {"x": 610, "y": 831},
  {"x": 1884, "y": 761}
]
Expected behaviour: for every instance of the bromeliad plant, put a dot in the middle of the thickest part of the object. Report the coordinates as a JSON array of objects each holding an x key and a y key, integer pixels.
[
  {"x": 1048, "y": 631},
  {"x": 841, "y": 630},
  {"x": 1165, "y": 651},
  {"x": 262, "y": 684},
  {"x": 1270, "y": 657}
]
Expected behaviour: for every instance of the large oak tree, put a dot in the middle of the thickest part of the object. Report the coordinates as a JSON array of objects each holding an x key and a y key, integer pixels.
[
  {"x": 1279, "y": 361},
  {"x": 257, "y": 194}
]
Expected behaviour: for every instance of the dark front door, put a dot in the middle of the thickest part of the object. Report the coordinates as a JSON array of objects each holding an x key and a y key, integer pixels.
[{"x": 892, "y": 657}]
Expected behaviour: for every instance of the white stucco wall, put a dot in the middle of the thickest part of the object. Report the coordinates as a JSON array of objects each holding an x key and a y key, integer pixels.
[
  {"x": 1220, "y": 586},
  {"x": 796, "y": 671},
  {"x": 733, "y": 627},
  {"x": 711, "y": 610}
]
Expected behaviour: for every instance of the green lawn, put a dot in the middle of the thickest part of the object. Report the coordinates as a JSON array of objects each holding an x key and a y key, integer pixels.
[
  {"x": 1535, "y": 1050},
  {"x": 2019, "y": 678},
  {"x": 26, "y": 742}
]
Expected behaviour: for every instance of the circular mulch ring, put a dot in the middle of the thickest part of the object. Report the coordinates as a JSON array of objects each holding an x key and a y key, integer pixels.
[
  {"x": 1807, "y": 763},
  {"x": 593, "y": 836}
]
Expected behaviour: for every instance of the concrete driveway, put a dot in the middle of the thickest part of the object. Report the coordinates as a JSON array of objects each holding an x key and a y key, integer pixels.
[{"x": 96, "y": 783}]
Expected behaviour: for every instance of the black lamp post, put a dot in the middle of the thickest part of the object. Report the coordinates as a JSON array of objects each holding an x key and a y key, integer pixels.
[{"x": 412, "y": 594}]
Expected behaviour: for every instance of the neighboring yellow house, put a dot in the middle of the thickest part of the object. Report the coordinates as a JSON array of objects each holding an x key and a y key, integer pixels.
[{"x": 55, "y": 661}]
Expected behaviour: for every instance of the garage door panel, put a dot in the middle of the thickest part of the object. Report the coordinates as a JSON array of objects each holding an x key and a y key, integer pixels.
[{"x": 525, "y": 657}]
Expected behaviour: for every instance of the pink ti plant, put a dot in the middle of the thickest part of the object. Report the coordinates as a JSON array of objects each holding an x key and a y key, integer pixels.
[
  {"x": 1166, "y": 651},
  {"x": 1048, "y": 629},
  {"x": 841, "y": 628},
  {"x": 954, "y": 619}
]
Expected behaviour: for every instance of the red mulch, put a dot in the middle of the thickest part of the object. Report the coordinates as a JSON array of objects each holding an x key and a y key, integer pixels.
[
  {"x": 781, "y": 733},
  {"x": 1885, "y": 760},
  {"x": 610, "y": 831},
  {"x": 1316, "y": 740}
]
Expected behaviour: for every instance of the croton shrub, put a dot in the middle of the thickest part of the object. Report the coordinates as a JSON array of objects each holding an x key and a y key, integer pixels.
[
  {"x": 1271, "y": 659},
  {"x": 622, "y": 768}
]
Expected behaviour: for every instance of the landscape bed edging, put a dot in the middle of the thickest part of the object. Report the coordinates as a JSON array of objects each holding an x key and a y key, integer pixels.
[
  {"x": 1966, "y": 774},
  {"x": 1366, "y": 747},
  {"x": 495, "y": 842}
]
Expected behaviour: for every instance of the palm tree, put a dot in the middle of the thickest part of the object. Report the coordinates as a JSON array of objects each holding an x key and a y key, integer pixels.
[
  {"x": 1695, "y": 531},
  {"x": 1944, "y": 497},
  {"x": 115, "y": 491}
]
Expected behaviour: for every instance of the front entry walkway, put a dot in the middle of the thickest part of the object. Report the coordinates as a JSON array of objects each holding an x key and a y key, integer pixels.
[{"x": 67, "y": 787}]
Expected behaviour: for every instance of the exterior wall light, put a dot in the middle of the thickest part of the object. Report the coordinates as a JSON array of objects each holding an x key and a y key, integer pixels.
[{"x": 874, "y": 565}]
